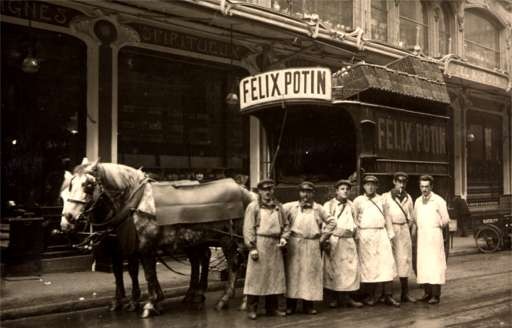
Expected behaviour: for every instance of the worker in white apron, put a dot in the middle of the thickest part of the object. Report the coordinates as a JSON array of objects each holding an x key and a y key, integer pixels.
[
  {"x": 311, "y": 227},
  {"x": 341, "y": 263}
]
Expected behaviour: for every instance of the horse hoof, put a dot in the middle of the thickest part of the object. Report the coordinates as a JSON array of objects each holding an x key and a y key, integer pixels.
[
  {"x": 131, "y": 307},
  {"x": 149, "y": 311},
  {"x": 115, "y": 306},
  {"x": 221, "y": 305}
]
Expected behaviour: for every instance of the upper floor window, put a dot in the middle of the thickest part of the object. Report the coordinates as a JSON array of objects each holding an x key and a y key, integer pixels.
[
  {"x": 444, "y": 29},
  {"x": 481, "y": 40},
  {"x": 332, "y": 13},
  {"x": 379, "y": 20},
  {"x": 413, "y": 25}
]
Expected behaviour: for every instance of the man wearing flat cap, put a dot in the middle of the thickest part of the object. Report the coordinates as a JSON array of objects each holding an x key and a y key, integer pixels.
[
  {"x": 341, "y": 263},
  {"x": 375, "y": 253},
  {"x": 266, "y": 231},
  {"x": 431, "y": 215},
  {"x": 399, "y": 209},
  {"x": 311, "y": 227}
]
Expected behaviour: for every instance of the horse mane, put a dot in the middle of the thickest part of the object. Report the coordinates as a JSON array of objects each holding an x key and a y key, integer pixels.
[{"x": 113, "y": 176}]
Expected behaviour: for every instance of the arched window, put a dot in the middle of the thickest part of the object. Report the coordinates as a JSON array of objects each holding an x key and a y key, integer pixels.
[
  {"x": 481, "y": 40},
  {"x": 379, "y": 22},
  {"x": 413, "y": 25},
  {"x": 444, "y": 30}
]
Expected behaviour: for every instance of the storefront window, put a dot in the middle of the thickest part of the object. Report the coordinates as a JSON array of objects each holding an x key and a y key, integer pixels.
[
  {"x": 332, "y": 13},
  {"x": 481, "y": 40},
  {"x": 413, "y": 25},
  {"x": 443, "y": 25},
  {"x": 317, "y": 144},
  {"x": 43, "y": 114},
  {"x": 173, "y": 118},
  {"x": 484, "y": 153},
  {"x": 379, "y": 22}
]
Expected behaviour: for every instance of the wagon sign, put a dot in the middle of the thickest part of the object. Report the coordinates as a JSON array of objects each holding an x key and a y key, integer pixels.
[{"x": 288, "y": 84}]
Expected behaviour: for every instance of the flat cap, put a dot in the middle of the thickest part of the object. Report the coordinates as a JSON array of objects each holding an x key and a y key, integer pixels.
[
  {"x": 342, "y": 182},
  {"x": 265, "y": 183},
  {"x": 370, "y": 178},
  {"x": 400, "y": 174},
  {"x": 306, "y": 185}
]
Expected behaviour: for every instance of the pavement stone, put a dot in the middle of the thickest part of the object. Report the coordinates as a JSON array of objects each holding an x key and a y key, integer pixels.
[{"x": 65, "y": 292}]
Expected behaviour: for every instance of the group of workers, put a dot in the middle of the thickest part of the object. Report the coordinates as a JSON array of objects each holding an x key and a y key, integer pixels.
[{"x": 300, "y": 248}]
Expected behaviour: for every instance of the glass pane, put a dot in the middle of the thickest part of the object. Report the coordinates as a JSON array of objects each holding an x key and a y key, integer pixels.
[
  {"x": 409, "y": 31},
  {"x": 333, "y": 13},
  {"x": 481, "y": 56},
  {"x": 379, "y": 22},
  {"x": 479, "y": 30},
  {"x": 173, "y": 117},
  {"x": 43, "y": 115},
  {"x": 444, "y": 33},
  {"x": 488, "y": 143},
  {"x": 477, "y": 145},
  {"x": 410, "y": 9}
]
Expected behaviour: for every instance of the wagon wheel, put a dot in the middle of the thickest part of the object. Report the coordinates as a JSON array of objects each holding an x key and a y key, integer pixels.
[{"x": 487, "y": 240}]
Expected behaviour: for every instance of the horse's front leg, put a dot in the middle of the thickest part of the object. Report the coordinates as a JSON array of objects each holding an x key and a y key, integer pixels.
[
  {"x": 204, "y": 254},
  {"x": 229, "y": 291},
  {"x": 194, "y": 275},
  {"x": 133, "y": 269},
  {"x": 117, "y": 269},
  {"x": 154, "y": 290}
]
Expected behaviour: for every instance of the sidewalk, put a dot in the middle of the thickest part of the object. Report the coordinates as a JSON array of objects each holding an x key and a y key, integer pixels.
[{"x": 64, "y": 292}]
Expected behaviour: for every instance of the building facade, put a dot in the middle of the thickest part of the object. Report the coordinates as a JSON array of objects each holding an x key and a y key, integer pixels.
[{"x": 144, "y": 83}]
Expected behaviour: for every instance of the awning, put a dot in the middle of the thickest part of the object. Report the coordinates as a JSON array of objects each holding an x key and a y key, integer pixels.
[{"x": 410, "y": 80}]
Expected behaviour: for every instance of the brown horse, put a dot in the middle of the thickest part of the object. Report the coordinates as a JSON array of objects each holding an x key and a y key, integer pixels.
[{"x": 137, "y": 222}]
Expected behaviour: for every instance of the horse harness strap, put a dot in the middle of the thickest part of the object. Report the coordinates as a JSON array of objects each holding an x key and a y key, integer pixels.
[{"x": 117, "y": 220}]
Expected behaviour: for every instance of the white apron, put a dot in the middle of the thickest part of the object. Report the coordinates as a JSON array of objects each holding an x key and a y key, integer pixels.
[
  {"x": 431, "y": 256},
  {"x": 303, "y": 261},
  {"x": 402, "y": 244},
  {"x": 270, "y": 262},
  {"x": 375, "y": 252},
  {"x": 341, "y": 265}
]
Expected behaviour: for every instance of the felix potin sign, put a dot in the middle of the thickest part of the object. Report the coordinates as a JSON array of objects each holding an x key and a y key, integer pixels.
[{"x": 288, "y": 84}]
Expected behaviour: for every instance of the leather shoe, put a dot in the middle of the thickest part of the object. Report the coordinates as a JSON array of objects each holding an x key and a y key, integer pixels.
[
  {"x": 252, "y": 315},
  {"x": 434, "y": 300},
  {"x": 370, "y": 301},
  {"x": 312, "y": 311},
  {"x": 425, "y": 298},
  {"x": 355, "y": 304},
  {"x": 391, "y": 301},
  {"x": 290, "y": 311},
  {"x": 333, "y": 304},
  {"x": 407, "y": 298},
  {"x": 277, "y": 313}
]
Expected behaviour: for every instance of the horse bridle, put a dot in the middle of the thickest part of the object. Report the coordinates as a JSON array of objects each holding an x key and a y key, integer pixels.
[{"x": 91, "y": 204}]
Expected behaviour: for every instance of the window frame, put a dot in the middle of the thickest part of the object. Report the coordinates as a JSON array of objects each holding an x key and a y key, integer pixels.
[
  {"x": 424, "y": 23},
  {"x": 497, "y": 28}
]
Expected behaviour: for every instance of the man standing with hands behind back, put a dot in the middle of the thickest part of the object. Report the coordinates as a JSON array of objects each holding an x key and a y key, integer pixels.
[{"x": 431, "y": 216}]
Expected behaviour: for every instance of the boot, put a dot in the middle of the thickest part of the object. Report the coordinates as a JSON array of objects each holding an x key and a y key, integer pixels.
[
  {"x": 252, "y": 307},
  {"x": 388, "y": 292},
  {"x": 428, "y": 293},
  {"x": 370, "y": 298},
  {"x": 291, "y": 306},
  {"x": 436, "y": 294},
  {"x": 389, "y": 300},
  {"x": 271, "y": 306},
  {"x": 405, "y": 291},
  {"x": 309, "y": 307},
  {"x": 348, "y": 301},
  {"x": 332, "y": 297}
]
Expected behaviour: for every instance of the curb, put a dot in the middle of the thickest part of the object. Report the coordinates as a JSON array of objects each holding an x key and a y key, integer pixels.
[
  {"x": 70, "y": 306},
  {"x": 169, "y": 292}
]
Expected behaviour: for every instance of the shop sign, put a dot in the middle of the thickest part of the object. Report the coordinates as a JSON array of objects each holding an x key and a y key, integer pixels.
[
  {"x": 288, "y": 84},
  {"x": 38, "y": 11},
  {"x": 476, "y": 74},
  {"x": 188, "y": 42},
  {"x": 410, "y": 137}
]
